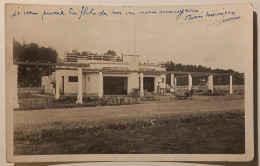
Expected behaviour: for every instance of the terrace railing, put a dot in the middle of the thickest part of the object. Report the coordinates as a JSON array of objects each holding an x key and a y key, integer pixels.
[
  {"x": 116, "y": 68},
  {"x": 94, "y": 57}
]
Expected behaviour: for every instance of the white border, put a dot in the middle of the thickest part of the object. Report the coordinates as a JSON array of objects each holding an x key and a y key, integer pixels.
[{"x": 187, "y": 157}]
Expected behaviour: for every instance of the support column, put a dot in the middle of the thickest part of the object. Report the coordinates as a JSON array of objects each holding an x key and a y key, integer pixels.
[
  {"x": 231, "y": 84},
  {"x": 100, "y": 88},
  {"x": 58, "y": 80},
  {"x": 211, "y": 83},
  {"x": 141, "y": 84},
  {"x": 172, "y": 80},
  {"x": 190, "y": 82},
  {"x": 15, "y": 84},
  {"x": 79, "y": 100},
  {"x": 208, "y": 82},
  {"x": 175, "y": 83}
]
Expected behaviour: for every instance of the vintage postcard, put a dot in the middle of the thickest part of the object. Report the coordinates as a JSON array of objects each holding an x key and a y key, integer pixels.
[{"x": 129, "y": 83}]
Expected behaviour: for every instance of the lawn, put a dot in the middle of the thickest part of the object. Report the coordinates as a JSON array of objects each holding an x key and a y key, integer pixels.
[{"x": 214, "y": 132}]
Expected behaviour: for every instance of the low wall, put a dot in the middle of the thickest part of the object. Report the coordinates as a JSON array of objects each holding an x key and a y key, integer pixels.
[
  {"x": 236, "y": 88},
  {"x": 111, "y": 100},
  {"x": 225, "y": 88},
  {"x": 182, "y": 87},
  {"x": 30, "y": 90},
  {"x": 35, "y": 103},
  {"x": 70, "y": 102}
]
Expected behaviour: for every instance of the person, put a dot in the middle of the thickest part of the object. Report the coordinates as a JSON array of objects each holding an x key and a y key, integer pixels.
[
  {"x": 172, "y": 90},
  {"x": 191, "y": 92},
  {"x": 158, "y": 90}
]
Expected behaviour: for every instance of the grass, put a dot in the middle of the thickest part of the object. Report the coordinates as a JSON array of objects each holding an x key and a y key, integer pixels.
[{"x": 187, "y": 133}]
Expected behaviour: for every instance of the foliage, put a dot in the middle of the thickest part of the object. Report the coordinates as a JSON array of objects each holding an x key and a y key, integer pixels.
[
  {"x": 28, "y": 75},
  {"x": 33, "y": 53},
  {"x": 88, "y": 53},
  {"x": 110, "y": 52},
  {"x": 75, "y": 52},
  {"x": 238, "y": 78},
  {"x": 84, "y": 53}
]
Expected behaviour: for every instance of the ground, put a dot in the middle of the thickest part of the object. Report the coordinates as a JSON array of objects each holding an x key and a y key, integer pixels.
[{"x": 203, "y": 124}]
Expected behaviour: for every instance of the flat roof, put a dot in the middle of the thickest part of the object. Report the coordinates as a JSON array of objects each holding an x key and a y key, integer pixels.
[
  {"x": 176, "y": 73},
  {"x": 51, "y": 64}
]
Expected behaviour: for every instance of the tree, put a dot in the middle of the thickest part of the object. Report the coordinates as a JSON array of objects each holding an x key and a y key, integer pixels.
[
  {"x": 75, "y": 52},
  {"x": 111, "y": 53},
  {"x": 84, "y": 53},
  {"x": 30, "y": 75},
  {"x": 238, "y": 78}
]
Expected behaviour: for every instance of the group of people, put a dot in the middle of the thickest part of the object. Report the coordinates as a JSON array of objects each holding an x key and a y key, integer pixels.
[{"x": 172, "y": 90}]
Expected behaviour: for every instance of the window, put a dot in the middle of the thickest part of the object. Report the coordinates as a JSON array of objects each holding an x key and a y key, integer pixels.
[
  {"x": 162, "y": 80},
  {"x": 73, "y": 78}
]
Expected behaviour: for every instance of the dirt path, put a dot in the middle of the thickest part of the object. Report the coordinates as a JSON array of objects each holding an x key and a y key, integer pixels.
[{"x": 199, "y": 104}]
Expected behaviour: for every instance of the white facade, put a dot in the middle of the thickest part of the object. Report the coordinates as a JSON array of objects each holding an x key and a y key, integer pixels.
[{"x": 109, "y": 77}]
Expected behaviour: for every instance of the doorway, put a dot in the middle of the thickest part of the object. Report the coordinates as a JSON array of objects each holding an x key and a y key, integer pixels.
[
  {"x": 149, "y": 84},
  {"x": 115, "y": 85}
]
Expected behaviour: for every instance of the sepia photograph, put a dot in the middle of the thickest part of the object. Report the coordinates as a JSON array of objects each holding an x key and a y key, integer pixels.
[{"x": 129, "y": 83}]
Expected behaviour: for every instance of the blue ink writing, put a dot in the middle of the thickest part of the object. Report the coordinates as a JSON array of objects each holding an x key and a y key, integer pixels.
[
  {"x": 191, "y": 17},
  {"x": 30, "y": 13},
  {"x": 223, "y": 15},
  {"x": 130, "y": 13},
  {"x": 148, "y": 12},
  {"x": 15, "y": 13},
  {"x": 218, "y": 23},
  {"x": 103, "y": 13},
  {"x": 220, "y": 13},
  {"x": 71, "y": 11},
  {"x": 185, "y": 11},
  {"x": 49, "y": 13},
  {"x": 116, "y": 12},
  {"x": 231, "y": 19},
  {"x": 85, "y": 11},
  {"x": 179, "y": 12}
]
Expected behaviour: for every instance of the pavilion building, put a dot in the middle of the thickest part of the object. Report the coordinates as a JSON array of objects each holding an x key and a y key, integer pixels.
[{"x": 98, "y": 76}]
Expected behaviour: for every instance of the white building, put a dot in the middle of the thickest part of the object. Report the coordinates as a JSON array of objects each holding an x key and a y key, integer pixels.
[{"x": 102, "y": 77}]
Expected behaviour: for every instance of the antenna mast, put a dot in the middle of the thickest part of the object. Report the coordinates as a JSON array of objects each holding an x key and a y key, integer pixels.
[{"x": 135, "y": 35}]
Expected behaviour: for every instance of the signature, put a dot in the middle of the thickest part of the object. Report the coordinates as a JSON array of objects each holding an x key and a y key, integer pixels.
[{"x": 225, "y": 20}]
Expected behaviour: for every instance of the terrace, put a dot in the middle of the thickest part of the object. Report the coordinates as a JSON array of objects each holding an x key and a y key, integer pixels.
[{"x": 83, "y": 59}]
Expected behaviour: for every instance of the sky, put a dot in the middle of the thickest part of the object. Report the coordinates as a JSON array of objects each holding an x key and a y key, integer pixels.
[{"x": 155, "y": 37}]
